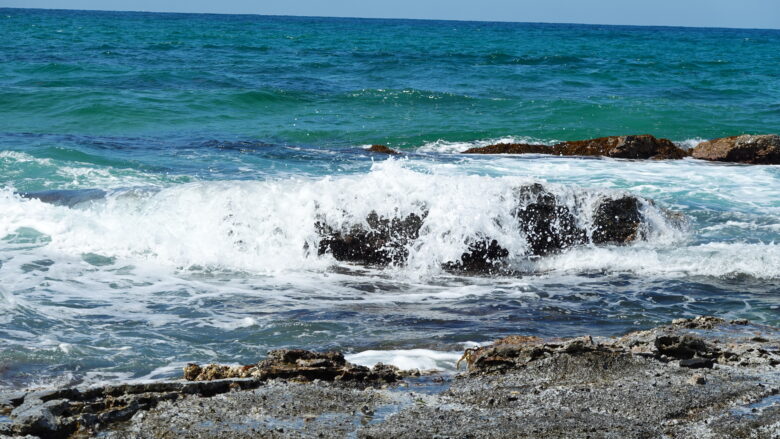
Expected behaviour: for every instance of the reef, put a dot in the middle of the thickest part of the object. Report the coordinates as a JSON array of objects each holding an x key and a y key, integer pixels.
[
  {"x": 382, "y": 149},
  {"x": 764, "y": 149},
  {"x": 546, "y": 222},
  {"x": 642, "y": 146},
  {"x": 699, "y": 377}
]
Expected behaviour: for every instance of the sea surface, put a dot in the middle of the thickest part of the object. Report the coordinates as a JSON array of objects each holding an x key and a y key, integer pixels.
[{"x": 161, "y": 174}]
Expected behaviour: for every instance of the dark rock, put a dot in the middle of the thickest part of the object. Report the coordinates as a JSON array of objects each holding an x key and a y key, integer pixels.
[
  {"x": 697, "y": 363},
  {"x": 484, "y": 256},
  {"x": 548, "y": 226},
  {"x": 382, "y": 149},
  {"x": 518, "y": 387},
  {"x": 617, "y": 221},
  {"x": 642, "y": 146},
  {"x": 382, "y": 243},
  {"x": 296, "y": 364},
  {"x": 510, "y": 148},
  {"x": 762, "y": 149},
  {"x": 682, "y": 347}
]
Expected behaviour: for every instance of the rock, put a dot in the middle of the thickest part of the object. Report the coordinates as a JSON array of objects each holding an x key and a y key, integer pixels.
[
  {"x": 697, "y": 363},
  {"x": 510, "y": 148},
  {"x": 760, "y": 149},
  {"x": 642, "y": 146},
  {"x": 382, "y": 243},
  {"x": 484, "y": 256},
  {"x": 518, "y": 387},
  {"x": 548, "y": 226},
  {"x": 382, "y": 149},
  {"x": 296, "y": 364},
  {"x": 617, "y": 221},
  {"x": 697, "y": 379}
]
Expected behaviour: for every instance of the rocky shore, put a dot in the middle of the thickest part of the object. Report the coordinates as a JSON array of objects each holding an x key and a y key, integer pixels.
[
  {"x": 549, "y": 222},
  {"x": 750, "y": 149},
  {"x": 693, "y": 378}
]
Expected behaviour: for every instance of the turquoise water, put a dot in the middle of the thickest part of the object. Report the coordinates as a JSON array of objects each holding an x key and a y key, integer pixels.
[{"x": 184, "y": 159}]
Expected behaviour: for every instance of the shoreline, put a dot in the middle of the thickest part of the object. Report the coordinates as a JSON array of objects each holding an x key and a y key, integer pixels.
[{"x": 690, "y": 378}]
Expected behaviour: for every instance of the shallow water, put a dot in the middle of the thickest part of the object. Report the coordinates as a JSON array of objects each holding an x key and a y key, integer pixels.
[{"x": 161, "y": 176}]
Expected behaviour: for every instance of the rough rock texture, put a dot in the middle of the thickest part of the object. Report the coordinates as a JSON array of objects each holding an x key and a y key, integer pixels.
[
  {"x": 484, "y": 256},
  {"x": 640, "y": 385},
  {"x": 511, "y": 148},
  {"x": 296, "y": 364},
  {"x": 547, "y": 223},
  {"x": 617, "y": 221},
  {"x": 382, "y": 149},
  {"x": 66, "y": 412},
  {"x": 642, "y": 146},
  {"x": 764, "y": 149},
  {"x": 548, "y": 226},
  {"x": 383, "y": 242}
]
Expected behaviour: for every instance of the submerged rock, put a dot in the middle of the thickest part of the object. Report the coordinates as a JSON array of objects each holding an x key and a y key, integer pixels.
[
  {"x": 763, "y": 149},
  {"x": 548, "y": 226},
  {"x": 383, "y": 242},
  {"x": 511, "y": 148},
  {"x": 382, "y": 149},
  {"x": 546, "y": 222},
  {"x": 485, "y": 256},
  {"x": 642, "y": 146},
  {"x": 617, "y": 221}
]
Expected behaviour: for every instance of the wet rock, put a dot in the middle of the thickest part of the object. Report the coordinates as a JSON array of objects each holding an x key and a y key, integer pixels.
[
  {"x": 642, "y": 146},
  {"x": 548, "y": 226},
  {"x": 518, "y": 387},
  {"x": 510, "y": 148},
  {"x": 761, "y": 149},
  {"x": 382, "y": 149},
  {"x": 297, "y": 364},
  {"x": 617, "y": 221},
  {"x": 383, "y": 242},
  {"x": 484, "y": 256}
]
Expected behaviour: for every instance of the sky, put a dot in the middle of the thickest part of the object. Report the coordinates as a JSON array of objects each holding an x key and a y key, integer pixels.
[{"x": 704, "y": 13}]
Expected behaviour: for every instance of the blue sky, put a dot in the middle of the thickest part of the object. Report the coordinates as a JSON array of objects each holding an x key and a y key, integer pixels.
[{"x": 708, "y": 13}]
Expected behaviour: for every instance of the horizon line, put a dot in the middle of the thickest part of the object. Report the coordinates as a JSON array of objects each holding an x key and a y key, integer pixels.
[{"x": 383, "y": 18}]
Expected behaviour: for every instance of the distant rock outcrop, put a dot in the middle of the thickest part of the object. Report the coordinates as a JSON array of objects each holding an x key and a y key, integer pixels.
[
  {"x": 763, "y": 149},
  {"x": 382, "y": 149},
  {"x": 642, "y": 146}
]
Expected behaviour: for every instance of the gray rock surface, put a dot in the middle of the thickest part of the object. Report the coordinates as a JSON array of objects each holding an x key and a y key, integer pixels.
[{"x": 634, "y": 386}]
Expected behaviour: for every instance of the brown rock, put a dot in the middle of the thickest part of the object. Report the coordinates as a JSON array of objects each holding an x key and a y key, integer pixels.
[
  {"x": 764, "y": 149},
  {"x": 299, "y": 365},
  {"x": 510, "y": 148},
  {"x": 642, "y": 146},
  {"x": 382, "y": 149}
]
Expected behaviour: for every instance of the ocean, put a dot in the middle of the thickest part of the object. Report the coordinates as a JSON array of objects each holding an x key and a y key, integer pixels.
[{"x": 161, "y": 176}]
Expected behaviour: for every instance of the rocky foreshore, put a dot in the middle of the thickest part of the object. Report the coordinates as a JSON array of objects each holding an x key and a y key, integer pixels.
[
  {"x": 693, "y": 378},
  {"x": 750, "y": 149}
]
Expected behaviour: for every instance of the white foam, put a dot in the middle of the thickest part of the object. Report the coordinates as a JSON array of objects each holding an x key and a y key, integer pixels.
[
  {"x": 444, "y": 146},
  {"x": 408, "y": 359},
  {"x": 263, "y": 226}
]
